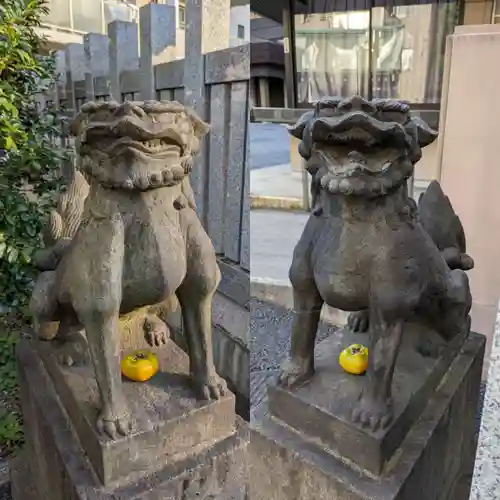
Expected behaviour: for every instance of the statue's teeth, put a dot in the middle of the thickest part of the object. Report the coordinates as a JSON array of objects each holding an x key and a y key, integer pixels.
[
  {"x": 345, "y": 187},
  {"x": 325, "y": 180},
  {"x": 333, "y": 185}
]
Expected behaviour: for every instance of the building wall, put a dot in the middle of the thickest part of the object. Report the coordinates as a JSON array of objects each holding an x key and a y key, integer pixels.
[
  {"x": 478, "y": 12},
  {"x": 468, "y": 147},
  {"x": 263, "y": 28},
  {"x": 59, "y": 33},
  {"x": 240, "y": 16}
]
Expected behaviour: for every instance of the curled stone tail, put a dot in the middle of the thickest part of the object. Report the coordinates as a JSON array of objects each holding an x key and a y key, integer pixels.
[
  {"x": 64, "y": 221},
  {"x": 438, "y": 218}
]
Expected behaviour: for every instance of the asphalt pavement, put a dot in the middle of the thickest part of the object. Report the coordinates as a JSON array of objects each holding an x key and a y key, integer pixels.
[
  {"x": 274, "y": 234},
  {"x": 269, "y": 145}
]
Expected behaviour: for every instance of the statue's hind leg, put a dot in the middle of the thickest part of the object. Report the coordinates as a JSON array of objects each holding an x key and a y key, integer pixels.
[
  {"x": 454, "y": 323},
  {"x": 195, "y": 297},
  {"x": 43, "y": 306}
]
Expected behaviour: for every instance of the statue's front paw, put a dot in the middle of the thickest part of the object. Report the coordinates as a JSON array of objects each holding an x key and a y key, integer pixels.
[
  {"x": 358, "y": 321},
  {"x": 295, "y": 373},
  {"x": 156, "y": 331},
  {"x": 209, "y": 386},
  {"x": 373, "y": 412},
  {"x": 115, "y": 423}
]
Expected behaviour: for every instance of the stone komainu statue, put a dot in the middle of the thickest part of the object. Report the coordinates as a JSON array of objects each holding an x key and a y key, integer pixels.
[
  {"x": 367, "y": 248},
  {"x": 126, "y": 235}
]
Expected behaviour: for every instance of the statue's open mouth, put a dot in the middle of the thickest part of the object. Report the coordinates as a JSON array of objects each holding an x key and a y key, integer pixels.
[
  {"x": 143, "y": 136},
  {"x": 360, "y": 154},
  {"x": 357, "y": 146},
  {"x": 155, "y": 147}
]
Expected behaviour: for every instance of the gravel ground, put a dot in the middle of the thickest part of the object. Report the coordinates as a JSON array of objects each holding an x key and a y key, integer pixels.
[
  {"x": 270, "y": 335},
  {"x": 5, "y": 492}
]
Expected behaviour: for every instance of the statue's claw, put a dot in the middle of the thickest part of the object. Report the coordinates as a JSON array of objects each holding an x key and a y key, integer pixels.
[
  {"x": 374, "y": 413},
  {"x": 358, "y": 321},
  {"x": 294, "y": 374},
  {"x": 210, "y": 387},
  {"x": 156, "y": 331},
  {"x": 114, "y": 427}
]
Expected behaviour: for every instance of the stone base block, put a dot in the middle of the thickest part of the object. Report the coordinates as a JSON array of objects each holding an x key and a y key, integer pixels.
[
  {"x": 322, "y": 408},
  {"x": 304, "y": 447},
  {"x": 64, "y": 460},
  {"x": 168, "y": 419}
]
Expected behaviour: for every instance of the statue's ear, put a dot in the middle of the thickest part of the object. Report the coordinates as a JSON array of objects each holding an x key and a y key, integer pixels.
[
  {"x": 200, "y": 128},
  {"x": 79, "y": 123},
  {"x": 298, "y": 129},
  {"x": 425, "y": 134},
  {"x": 77, "y": 126}
]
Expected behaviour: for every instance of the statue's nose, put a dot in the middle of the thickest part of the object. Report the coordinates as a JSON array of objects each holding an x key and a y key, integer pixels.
[{"x": 356, "y": 103}]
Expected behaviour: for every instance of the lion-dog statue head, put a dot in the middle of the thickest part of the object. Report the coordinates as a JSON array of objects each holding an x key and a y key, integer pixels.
[
  {"x": 359, "y": 147},
  {"x": 138, "y": 145}
]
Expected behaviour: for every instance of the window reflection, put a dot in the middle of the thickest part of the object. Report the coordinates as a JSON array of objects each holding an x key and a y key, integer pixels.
[
  {"x": 59, "y": 13},
  {"x": 332, "y": 54},
  {"x": 89, "y": 15},
  {"x": 406, "y": 44},
  {"x": 117, "y": 10}
]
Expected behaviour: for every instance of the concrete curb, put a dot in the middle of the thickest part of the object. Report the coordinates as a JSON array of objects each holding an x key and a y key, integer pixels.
[
  {"x": 280, "y": 292},
  {"x": 276, "y": 203}
]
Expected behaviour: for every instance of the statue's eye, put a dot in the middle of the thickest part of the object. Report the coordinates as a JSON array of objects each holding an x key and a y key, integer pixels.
[
  {"x": 392, "y": 116},
  {"x": 327, "y": 111}
]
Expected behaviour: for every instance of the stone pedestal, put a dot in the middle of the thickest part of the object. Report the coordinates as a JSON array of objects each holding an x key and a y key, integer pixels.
[
  {"x": 181, "y": 448},
  {"x": 304, "y": 445}
]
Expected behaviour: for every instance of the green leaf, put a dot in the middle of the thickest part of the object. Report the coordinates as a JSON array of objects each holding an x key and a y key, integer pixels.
[{"x": 9, "y": 143}]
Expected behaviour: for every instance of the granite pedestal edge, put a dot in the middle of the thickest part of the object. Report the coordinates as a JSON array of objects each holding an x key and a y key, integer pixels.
[
  {"x": 53, "y": 465},
  {"x": 435, "y": 460}
]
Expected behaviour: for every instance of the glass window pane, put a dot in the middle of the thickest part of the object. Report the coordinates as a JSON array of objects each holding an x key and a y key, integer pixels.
[
  {"x": 87, "y": 15},
  {"x": 407, "y": 46},
  {"x": 408, "y": 51},
  {"x": 332, "y": 54},
  {"x": 60, "y": 14},
  {"x": 117, "y": 10}
]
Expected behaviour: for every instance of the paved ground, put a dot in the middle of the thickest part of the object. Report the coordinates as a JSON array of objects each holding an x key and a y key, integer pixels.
[
  {"x": 276, "y": 181},
  {"x": 270, "y": 170},
  {"x": 274, "y": 234},
  {"x": 269, "y": 145}
]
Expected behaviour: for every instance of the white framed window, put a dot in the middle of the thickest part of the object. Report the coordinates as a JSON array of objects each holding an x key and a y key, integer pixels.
[
  {"x": 182, "y": 15},
  {"x": 495, "y": 14}
]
